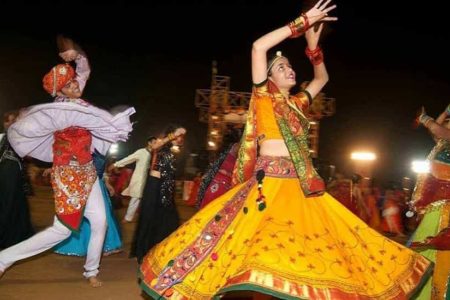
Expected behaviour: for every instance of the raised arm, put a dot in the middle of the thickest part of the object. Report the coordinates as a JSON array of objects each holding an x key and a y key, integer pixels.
[
  {"x": 259, "y": 52},
  {"x": 83, "y": 70},
  {"x": 127, "y": 160},
  {"x": 439, "y": 131},
  {"x": 294, "y": 29},
  {"x": 170, "y": 137},
  {"x": 436, "y": 129},
  {"x": 315, "y": 55},
  {"x": 70, "y": 51}
]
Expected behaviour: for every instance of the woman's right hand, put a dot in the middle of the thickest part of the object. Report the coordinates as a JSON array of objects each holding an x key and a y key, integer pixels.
[
  {"x": 447, "y": 110},
  {"x": 421, "y": 112},
  {"x": 422, "y": 115},
  {"x": 422, "y": 118},
  {"x": 312, "y": 36},
  {"x": 320, "y": 12},
  {"x": 179, "y": 131}
]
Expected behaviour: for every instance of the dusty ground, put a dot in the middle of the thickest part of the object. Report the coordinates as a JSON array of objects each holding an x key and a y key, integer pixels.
[{"x": 53, "y": 276}]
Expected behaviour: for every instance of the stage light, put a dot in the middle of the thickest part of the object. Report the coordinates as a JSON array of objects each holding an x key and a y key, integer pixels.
[
  {"x": 420, "y": 166},
  {"x": 114, "y": 149},
  {"x": 366, "y": 156}
]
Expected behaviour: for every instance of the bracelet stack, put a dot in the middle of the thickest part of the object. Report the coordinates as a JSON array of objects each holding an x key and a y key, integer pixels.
[
  {"x": 424, "y": 119},
  {"x": 315, "y": 56}
]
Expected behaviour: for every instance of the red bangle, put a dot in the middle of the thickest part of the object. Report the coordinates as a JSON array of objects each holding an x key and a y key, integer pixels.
[
  {"x": 305, "y": 17},
  {"x": 299, "y": 26},
  {"x": 315, "y": 56}
]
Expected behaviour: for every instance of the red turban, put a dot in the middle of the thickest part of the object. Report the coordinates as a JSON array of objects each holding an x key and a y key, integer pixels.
[{"x": 57, "y": 78}]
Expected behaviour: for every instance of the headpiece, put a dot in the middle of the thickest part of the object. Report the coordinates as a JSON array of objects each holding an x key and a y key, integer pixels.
[
  {"x": 57, "y": 78},
  {"x": 273, "y": 60}
]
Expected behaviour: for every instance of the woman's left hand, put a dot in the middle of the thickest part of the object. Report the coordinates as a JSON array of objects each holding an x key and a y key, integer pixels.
[
  {"x": 179, "y": 131},
  {"x": 312, "y": 36}
]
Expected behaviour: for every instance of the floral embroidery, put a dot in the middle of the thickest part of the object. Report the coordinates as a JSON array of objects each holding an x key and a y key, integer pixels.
[
  {"x": 200, "y": 249},
  {"x": 72, "y": 185}
]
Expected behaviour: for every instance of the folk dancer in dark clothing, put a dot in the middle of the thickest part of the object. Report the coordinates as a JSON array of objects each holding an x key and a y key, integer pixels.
[
  {"x": 15, "y": 224},
  {"x": 158, "y": 215}
]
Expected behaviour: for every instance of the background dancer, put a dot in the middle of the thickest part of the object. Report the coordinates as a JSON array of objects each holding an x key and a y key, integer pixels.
[
  {"x": 158, "y": 215},
  {"x": 431, "y": 200},
  {"x": 15, "y": 223},
  {"x": 137, "y": 183}
]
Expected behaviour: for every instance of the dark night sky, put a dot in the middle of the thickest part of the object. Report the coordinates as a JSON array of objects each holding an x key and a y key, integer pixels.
[{"x": 385, "y": 60}]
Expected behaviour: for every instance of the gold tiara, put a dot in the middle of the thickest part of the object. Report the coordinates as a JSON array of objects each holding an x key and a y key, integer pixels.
[{"x": 274, "y": 59}]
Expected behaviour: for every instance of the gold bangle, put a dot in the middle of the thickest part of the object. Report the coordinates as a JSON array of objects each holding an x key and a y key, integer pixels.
[{"x": 299, "y": 26}]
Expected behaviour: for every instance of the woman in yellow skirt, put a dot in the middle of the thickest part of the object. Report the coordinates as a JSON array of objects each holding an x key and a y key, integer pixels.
[{"x": 276, "y": 232}]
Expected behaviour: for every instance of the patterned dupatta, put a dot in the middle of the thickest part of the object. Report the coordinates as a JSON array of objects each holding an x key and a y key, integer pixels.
[
  {"x": 293, "y": 126},
  {"x": 246, "y": 156}
]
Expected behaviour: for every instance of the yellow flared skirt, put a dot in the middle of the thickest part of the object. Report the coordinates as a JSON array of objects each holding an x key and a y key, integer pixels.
[{"x": 295, "y": 248}]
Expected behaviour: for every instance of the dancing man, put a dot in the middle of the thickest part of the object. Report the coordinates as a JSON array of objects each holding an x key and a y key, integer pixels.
[{"x": 66, "y": 132}]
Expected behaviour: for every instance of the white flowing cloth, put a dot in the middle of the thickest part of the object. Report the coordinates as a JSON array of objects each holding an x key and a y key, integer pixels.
[{"x": 32, "y": 133}]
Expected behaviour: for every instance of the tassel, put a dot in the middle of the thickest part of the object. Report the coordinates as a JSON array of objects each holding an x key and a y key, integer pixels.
[{"x": 260, "y": 174}]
